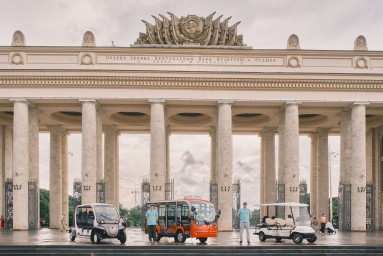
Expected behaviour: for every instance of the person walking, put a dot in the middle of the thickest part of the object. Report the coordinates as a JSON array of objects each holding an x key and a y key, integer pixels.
[
  {"x": 244, "y": 215},
  {"x": 323, "y": 221},
  {"x": 151, "y": 222}
]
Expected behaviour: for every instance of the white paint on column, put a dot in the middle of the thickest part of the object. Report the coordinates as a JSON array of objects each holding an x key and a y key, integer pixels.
[
  {"x": 291, "y": 152},
  {"x": 157, "y": 151},
  {"x": 110, "y": 164},
  {"x": 64, "y": 167},
  {"x": 358, "y": 176},
  {"x": 345, "y": 147},
  {"x": 225, "y": 164},
  {"x": 314, "y": 176},
  {"x": 55, "y": 177},
  {"x": 89, "y": 151},
  {"x": 323, "y": 175},
  {"x": 20, "y": 164}
]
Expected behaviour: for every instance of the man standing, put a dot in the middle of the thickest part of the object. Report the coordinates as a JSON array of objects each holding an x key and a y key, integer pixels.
[
  {"x": 323, "y": 221},
  {"x": 244, "y": 214},
  {"x": 151, "y": 222}
]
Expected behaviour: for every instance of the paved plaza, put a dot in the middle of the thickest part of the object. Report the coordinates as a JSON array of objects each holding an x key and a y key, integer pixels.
[{"x": 137, "y": 237}]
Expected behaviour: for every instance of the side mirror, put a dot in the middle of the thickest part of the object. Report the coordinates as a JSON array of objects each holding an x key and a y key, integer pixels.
[
  {"x": 193, "y": 209},
  {"x": 219, "y": 212},
  {"x": 217, "y": 216},
  {"x": 124, "y": 224}
]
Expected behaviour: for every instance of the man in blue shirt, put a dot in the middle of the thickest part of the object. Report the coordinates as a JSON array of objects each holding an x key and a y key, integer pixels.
[
  {"x": 151, "y": 221},
  {"x": 244, "y": 215}
]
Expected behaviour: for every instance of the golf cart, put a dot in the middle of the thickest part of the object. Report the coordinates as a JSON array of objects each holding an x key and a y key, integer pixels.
[
  {"x": 97, "y": 222},
  {"x": 296, "y": 226}
]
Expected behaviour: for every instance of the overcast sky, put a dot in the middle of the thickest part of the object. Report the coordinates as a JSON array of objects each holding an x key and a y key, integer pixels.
[{"x": 266, "y": 24}]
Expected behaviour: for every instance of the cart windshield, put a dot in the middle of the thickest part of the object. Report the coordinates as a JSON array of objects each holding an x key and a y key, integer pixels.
[
  {"x": 205, "y": 212},
  {"x": 302, "y": 216},
  {"x": 106, "y": 213}
]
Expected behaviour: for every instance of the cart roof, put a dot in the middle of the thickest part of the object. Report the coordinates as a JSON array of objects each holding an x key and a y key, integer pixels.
[{"x": 292, "y": 204}]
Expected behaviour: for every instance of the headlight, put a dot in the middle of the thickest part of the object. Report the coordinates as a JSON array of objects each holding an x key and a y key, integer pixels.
[
  {"x": 100, "y": 222},
  {"x": 198, "y": 223}
]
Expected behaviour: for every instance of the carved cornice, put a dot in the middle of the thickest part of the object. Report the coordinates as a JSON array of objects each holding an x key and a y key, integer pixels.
[{"x": 139, "y": 82}]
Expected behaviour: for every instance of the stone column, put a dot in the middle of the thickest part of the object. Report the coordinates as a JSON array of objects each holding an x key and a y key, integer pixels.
[
  {"x": 34, "y": 143},
  {"x": 64, "y": 167},
  {"x": 262, "y": 175},
  {"x": 291, "y": 153},
  {"x": 345, "y": 147},
  {"x": 269, "y": 167},
  {"x": 117, "y": 159},
  {"x": 34, "y": 156},
  {"x": 89, "y": 151},
  {"x": 213, "y": 155},
  {"x": 110, "y": 164},
  {"x": 99, "y": 174},
  {"x": 55, "y": 177},
  {"x": 281, "y": 146},
  {"x": 157, "y": 151},
  {"x": 358, "y": 176},
  {"x": 8, "y": 152},
  {"x": 323, "y": 176},
  {"x": 2, "y": 171},
  {"x": 314, "y": 176},
  {"x": 225, "y": 164},
  {"x": 20, "y": 164},
  {"x": 369, "y": 156}
]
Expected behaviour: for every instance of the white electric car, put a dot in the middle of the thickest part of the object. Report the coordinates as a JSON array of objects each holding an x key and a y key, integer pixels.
[
  {"x": 296, "y": 226},
  {"x": 97, "y": 222}
]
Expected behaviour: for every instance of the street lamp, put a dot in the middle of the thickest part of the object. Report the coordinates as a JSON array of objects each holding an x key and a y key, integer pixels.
[{"x": 331, "y": 154}]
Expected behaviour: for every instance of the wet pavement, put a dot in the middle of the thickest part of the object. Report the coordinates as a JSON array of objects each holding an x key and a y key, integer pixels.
[{"x": 136, "y": 237}]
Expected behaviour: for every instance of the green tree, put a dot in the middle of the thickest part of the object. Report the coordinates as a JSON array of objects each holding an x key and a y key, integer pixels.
[
  {"x": 44, "y": 206},
  {"x": 255, "y": 217}
]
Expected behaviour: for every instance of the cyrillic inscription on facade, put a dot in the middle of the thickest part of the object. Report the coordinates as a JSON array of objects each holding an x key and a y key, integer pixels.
[{"x": 189, "y": 60}]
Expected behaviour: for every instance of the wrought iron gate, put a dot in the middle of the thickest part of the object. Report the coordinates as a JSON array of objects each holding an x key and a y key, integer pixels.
[
  {"x": 76, "y": 193},
  {"x": 345, "y": 207},
  {"x": 100, "y": 192},
  {"x": 280, "y": 198},
  {"x": 145, "y": 197},
  {"x": 214, "y": 194},
  {"x": 8, "y": 204},
  {"x": 370, "y": 208},
  {"x": 236, "y": 202},
  {"x": 33, "y": 205}
]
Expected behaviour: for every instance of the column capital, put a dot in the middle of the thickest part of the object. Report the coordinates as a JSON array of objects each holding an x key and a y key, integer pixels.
[
  {"x": 151, "y": 101},
  {"x": 225, "y": 102},
  {"x": 14, "y": 100},
  {"x": 323, "y": 130},
  {"x": 269, "y": 130},
  {"x": 362, "y": 103},
  {"x": 88, "y": 100},
  {"x": 292, "y": 103},
  {"x": 55, "y": 128}
]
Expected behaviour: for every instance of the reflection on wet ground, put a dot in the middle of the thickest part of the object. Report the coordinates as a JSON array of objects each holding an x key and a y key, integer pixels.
[{"x": 137, "y": 237}]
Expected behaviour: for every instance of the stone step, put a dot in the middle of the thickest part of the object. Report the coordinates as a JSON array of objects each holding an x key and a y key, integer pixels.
[{"x": 188, "y": 250}]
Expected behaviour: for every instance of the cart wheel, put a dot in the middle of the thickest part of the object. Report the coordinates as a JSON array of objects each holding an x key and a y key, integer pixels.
[
  {"x": 96, "y": 237},
  {"x": 202, "y": 240},
  {"x": 297, "y": 238},
  {"x": 278, "y": 239},
  {"x": 262, "y": 236},
  {"x": 179, "y": 237},
  {"x": 312, "y": 240}
]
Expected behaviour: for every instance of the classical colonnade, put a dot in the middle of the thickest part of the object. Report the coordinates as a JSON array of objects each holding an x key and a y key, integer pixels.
[{"x": 20, "y": 158}]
